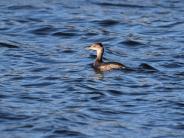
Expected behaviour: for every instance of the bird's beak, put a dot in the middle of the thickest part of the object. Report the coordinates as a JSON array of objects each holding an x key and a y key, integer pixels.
[{"x": 88, "y": 48}]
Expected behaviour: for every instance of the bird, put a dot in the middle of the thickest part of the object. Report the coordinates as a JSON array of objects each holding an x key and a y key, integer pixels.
[{"x": 99, "y": 65}]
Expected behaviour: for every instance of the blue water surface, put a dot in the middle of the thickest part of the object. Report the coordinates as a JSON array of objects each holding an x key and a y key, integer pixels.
[{"x": 49, "y": 90}]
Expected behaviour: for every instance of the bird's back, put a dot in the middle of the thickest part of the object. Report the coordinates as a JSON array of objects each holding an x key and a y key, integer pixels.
[{"x": 108, "y": 66}]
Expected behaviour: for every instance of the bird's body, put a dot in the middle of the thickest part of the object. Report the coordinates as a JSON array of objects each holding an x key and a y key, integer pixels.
[{"x": 99, "y": 64}]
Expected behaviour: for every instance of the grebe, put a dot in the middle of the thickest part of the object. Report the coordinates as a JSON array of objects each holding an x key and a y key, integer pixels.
[{"x": 99, "y": 64}]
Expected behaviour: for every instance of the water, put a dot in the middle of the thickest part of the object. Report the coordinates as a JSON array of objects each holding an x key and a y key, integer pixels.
[{"x": 48, "y": 88}]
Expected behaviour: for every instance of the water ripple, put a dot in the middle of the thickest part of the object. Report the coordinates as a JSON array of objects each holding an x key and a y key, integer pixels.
[
  {"x": 107, "y": 22},
  {"x": 8, "y": 45},
  {"x": 44, "y": 30}
]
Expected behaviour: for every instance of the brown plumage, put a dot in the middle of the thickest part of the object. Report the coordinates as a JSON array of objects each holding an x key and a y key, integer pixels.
[{"x": 99, "y": 64}]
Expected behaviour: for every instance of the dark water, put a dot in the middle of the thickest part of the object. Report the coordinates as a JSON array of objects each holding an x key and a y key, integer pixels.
[{"x": 48, "y": 88}]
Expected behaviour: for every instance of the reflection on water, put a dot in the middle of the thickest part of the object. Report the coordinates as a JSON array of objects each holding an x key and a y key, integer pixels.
[{"x": 48, "y": 88}]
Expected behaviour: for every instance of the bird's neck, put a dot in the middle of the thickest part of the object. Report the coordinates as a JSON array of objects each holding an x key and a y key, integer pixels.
[{"x": 99, "y": 55}]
